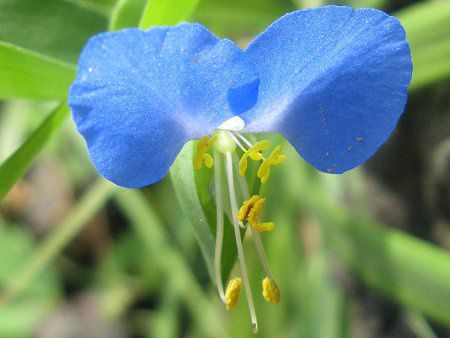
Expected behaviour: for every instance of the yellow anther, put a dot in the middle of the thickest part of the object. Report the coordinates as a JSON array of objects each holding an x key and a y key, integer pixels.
[
  {"x": 254, "y": 153},
  {"x": 201, "y": 156},
  {"x": 232, "y": 293},
  {"x": 271, "y": 293},
  {"x": 274, "y": 159},
  {"x": 251, "y": 210},
  {"x": 263, "y": 227},
  {"x": 208, "y": 160}
]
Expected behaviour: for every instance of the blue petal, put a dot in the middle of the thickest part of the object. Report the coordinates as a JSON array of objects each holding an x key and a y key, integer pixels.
[
  {"x": 139, "y": 96},
  {"x": 333, "y": 81}
]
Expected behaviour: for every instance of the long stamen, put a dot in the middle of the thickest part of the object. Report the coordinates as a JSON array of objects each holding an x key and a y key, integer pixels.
[
  {"x": 243, "y": 139},
  {"x": 234, "y": 211},
  {"x": 236, "y": 141},
  {"x": 219, "y": 225},
  {"x": 255, "y": 235}
]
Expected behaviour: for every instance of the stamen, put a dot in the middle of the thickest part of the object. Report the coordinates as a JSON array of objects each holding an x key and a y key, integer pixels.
[
  {"x": 236, "y": 141},
  {"x": 201, "y": 156},
  {"x": 233, "y": 291},
  {"x": 243, "y": 139},
  {"x": 274, "y": 159},
  {"x": 250, "y": 211},
  {"x": 256, "y": 236},
  {"x": 219, "y": 226},
  {"x": 208, "y": 160},
  {"x": 254, "y": 153},
  {"x": 240, "y": 250},
  {"x": 271, "y": 293}
]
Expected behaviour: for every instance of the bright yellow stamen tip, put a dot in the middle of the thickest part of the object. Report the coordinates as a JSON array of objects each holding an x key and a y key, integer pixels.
[
  {"x": 201, "y": 156},
  {"x": 208, "y": 160},
  {"x": 262, "y": 227},
  {"x": 274, "y": 159},
  {"x": 251, "y": 210},
  {"x": 271, "y": 293},
  {"x": 254, "y": 153},
  {"x": 232, "y": 293}
]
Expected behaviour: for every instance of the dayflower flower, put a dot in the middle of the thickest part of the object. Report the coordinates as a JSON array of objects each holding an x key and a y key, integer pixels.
[{"x": 332, "y": 80}]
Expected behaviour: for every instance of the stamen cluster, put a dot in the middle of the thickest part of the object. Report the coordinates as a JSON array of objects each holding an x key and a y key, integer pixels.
[{"x": 223, "y": 144}]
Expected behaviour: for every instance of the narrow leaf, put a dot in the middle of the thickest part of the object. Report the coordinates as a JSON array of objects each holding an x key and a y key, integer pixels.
[
  {"x": 127, "y": 13},
  {"x": 412, "y": 272},
  {"x": 183, "y": 177},
  {"x": 54, "y": 28},
  {"x": 14, "y": 167},
  {"x": 27, "y": 74},
  {"x": 167, "y": 12},
  {"x": 428, "y": 33},
  {"x": 104, "y": 7}
]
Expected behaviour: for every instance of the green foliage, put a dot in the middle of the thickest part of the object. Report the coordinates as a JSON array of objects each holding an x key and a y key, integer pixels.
[
  {"x": 171, "y": 263},
  {"x": 24, "y": 73},
  {"x": 53, "y": 28},
  {"x": 104, "y": 7},
  {"x": 236, "y": 18},
  {"x": 127, "y": 13},
  {"x": 166, "y": 12},
  {"x": 428, "y": 33},
  {"x": 154, "y": 259},
  {"x": 48, "y": 250},
  {"x": 19, "y": 319},
  {"x": 189, "y": 184},
  {"x": 16, "y": 165},
  {"x": 39, "y": 45},
  {"x": 410, "y": 271}
]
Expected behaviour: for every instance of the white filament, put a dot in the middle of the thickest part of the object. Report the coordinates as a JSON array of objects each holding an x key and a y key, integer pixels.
[
  {"x": 239, "y": 144},
  {"x": 219, "y": 225},
  {"x": 247, "y": 142},
  {"x": 255, "y": 234},
  {"x": 234, "y": 212}
]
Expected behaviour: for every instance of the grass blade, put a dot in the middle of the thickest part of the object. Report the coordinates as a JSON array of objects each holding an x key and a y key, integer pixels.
[
  {"x": 15, "y": 166},
  {"x": 428, "y": 33}
]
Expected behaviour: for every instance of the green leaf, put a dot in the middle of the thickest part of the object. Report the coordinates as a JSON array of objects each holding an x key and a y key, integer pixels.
[
  {"x": 104, "y": 7},
  {"x": 127, "y": 13},
  {"x": 233, "y": 17},
  {"x": 428, "y": 34},
  {"x": 27, "y": 74},
  {"x": 14, "y": 167},
  {"x": 39, "y": 46},
  {"x": 167, "y": 12},
  {"x": 54, "y": 28},
  {"x": 325, "y": 306},
  {"x": 412, "y": 272},
  {"x": 192, "y": 188},
  {"x": 188, "y": 192}
]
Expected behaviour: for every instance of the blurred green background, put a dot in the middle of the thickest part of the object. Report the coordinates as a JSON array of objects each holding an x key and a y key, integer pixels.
[{"x": 364, "y": 254}]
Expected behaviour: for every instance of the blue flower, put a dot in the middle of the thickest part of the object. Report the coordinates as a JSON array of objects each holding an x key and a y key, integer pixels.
[{"x": 332, "y": 80}]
